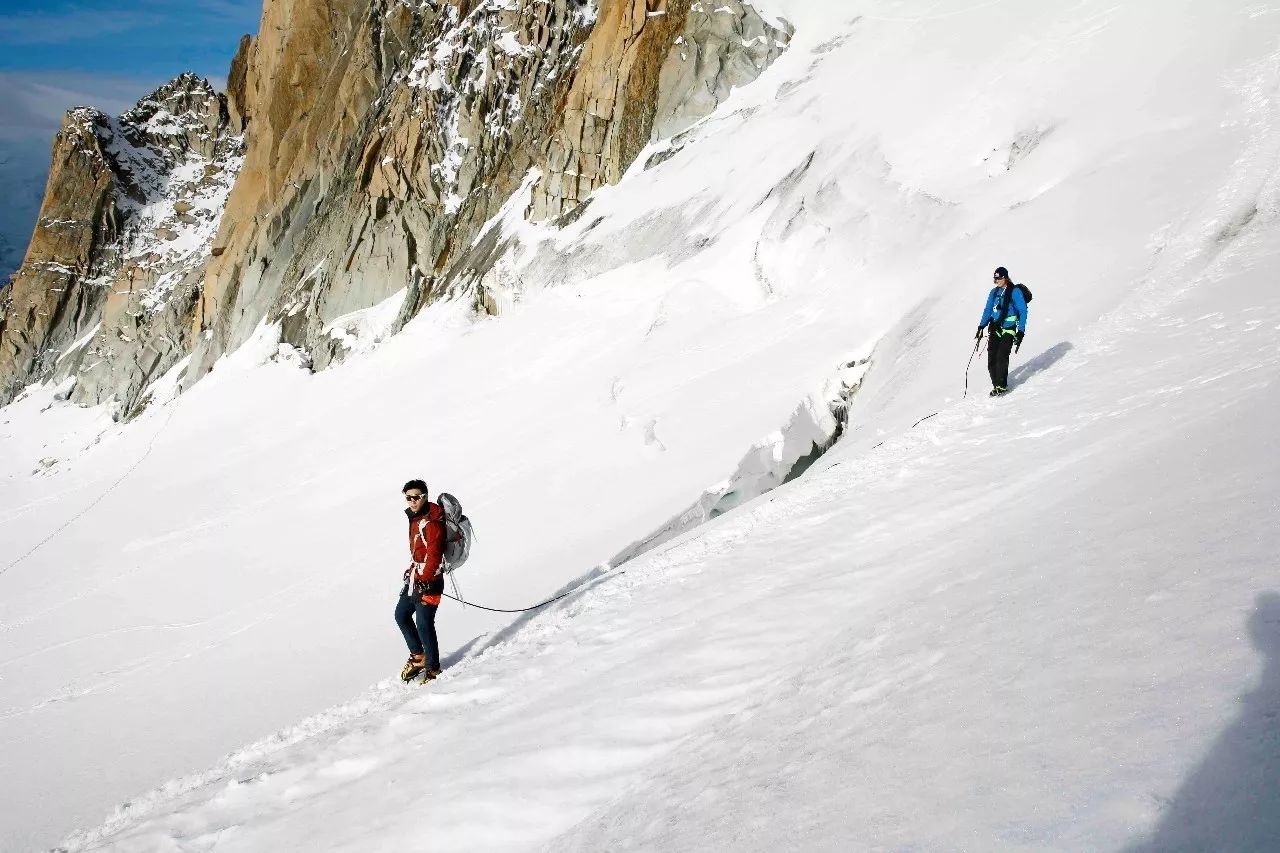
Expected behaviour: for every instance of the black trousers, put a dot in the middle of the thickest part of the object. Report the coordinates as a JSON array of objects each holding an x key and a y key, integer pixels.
[
  {"x": 420, "y": 638},
  {"x": 999, "y": 347}
]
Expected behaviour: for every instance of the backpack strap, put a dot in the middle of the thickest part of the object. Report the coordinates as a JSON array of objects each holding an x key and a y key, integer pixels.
[{"x": 1006, "y": 303}]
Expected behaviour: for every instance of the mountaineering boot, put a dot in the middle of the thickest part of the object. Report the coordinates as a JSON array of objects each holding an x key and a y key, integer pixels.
[
  {"x": 429, "y": 675},
  {"x": 414, "y": 665},
  {"x": 998, "y": 391}
]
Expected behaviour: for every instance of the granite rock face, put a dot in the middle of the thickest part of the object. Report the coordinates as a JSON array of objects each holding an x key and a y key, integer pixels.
[
  {"x": 432, "y": 118},
  {"x": 651, "y": 69},
  {"x": 724, "y": 44},
  {"x": 353, "y": 162},
  {"x": 129, "y": 212}
]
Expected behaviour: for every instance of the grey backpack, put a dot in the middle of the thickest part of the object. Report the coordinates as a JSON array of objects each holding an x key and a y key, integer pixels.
[{"x": 458, "y": 532}]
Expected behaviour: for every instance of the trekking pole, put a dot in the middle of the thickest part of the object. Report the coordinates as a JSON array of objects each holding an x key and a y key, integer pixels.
[{"x": 976, "y": 344}]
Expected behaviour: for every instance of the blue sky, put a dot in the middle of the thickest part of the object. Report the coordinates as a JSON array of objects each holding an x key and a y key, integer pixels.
[
  {"x": 55, "y": 55},
  {"x": 151, "y": 39}
]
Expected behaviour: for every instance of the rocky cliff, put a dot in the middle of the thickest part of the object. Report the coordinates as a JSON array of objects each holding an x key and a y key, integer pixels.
[
  {"x": 116, "y": 262},
  {"x": 359, "y": 150}
]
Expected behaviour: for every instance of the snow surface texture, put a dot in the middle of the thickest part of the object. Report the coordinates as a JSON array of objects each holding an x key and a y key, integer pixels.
[{"x": 1050, "y": 621}]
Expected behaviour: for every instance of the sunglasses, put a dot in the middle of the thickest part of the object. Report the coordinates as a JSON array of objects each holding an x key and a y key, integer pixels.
[{"x": 411, "y": 498}]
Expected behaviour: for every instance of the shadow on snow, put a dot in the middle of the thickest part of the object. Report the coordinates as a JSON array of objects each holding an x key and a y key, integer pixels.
[
  {"x": 1042, "y": 362},
  {"x": 1231, "y": 800}
]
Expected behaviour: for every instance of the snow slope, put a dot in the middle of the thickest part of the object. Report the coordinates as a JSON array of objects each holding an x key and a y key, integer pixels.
[
  {"x": 1040, "y": 622},
  {"x": 887, "y": 654}
]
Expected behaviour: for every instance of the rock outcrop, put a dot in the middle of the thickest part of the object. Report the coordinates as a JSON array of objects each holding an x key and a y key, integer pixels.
[
  {"x": 424, "y": 122},
  {"x": 650, "y": 71},
  {"x": 358, "y": 153},
  {"x": 129, "y": 213}
]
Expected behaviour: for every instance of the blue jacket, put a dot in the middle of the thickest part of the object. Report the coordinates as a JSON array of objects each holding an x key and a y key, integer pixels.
[{"x": 1017, "y": 319}]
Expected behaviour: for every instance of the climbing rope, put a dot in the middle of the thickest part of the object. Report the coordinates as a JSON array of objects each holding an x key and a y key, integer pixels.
[
  {"x": 453, "y": 582},
  {"x": 966, "y": 387},
  {"x": 46, "y": 540},
  {"x": 925, "y": 418},
  {"x": 977, "y": 344},
  {"x": 566, "y": 594}
]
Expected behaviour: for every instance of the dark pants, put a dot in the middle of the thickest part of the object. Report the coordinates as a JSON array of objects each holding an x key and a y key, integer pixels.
[
  {"x": 420, "y": 638},
  {"x": 999, "y": 348}
]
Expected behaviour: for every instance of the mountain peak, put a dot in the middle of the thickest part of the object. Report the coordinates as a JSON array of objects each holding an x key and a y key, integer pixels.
[{"x": 186, "y": 113}]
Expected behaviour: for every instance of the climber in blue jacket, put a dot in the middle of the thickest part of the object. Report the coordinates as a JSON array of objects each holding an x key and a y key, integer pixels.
[{"x": 1005, "y": 315}]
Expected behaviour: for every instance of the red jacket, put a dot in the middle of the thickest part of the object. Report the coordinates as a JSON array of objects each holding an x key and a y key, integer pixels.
[{"x": 426, "y": 543}]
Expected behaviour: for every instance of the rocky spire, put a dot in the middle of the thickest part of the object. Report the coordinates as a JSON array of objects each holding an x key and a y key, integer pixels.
[
  {"x": 129, "y": 212},
  {"x": 361, "y": 148}
]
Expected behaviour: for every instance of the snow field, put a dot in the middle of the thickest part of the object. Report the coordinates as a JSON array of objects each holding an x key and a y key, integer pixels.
[
  {"x": 890, "y": 638},
  {"x": 1040, "y": 665}
]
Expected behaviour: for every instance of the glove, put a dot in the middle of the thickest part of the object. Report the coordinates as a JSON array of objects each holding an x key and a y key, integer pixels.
[
  {"x": 1017, "y": 341},
  {"x": 978, "y": 336}
]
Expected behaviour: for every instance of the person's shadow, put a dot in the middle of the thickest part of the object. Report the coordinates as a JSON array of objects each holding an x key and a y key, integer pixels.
[
  {"x": 1231, "y": 802},
  {"x": 1043, "y": 361}
]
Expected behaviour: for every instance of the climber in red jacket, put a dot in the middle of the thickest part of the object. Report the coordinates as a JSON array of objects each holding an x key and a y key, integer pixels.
[{"x": 423, "y": 583}]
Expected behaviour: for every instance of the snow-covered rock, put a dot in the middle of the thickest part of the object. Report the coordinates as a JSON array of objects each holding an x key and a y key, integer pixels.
[
  {"x": 125, "y": 230},
  {"x": 377, "y": 142}
]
